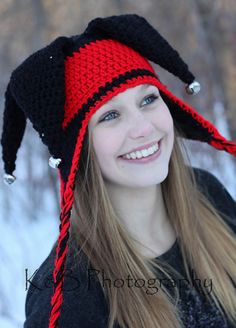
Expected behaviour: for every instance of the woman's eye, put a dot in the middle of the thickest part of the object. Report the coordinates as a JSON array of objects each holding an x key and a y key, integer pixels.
[
  {"x": 150, "y": 99},
  {"x": 106, "y": 117}
]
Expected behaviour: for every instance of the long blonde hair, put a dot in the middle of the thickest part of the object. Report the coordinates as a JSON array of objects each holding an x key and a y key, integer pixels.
[{"x": 207, "y": 244}]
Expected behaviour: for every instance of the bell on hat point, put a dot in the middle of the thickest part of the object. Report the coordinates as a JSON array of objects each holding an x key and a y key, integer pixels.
[
  {"x": 9, "y": 178},
  {"x": 193, "y": 88},
  {"x": 54, "y": 162}
]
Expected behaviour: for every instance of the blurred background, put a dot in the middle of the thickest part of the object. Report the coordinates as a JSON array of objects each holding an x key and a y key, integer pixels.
[{"x": 203, "y": 31}]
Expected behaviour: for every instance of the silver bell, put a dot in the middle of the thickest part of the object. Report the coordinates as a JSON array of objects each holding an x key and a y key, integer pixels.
[
  {"x": 54, "y": 162},
  {"x": 8, "y": 179},
  {"x": 193, "y": 88}
]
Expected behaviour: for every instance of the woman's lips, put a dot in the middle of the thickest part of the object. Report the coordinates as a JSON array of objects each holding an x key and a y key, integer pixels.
[{"x": 145, "y": 159}]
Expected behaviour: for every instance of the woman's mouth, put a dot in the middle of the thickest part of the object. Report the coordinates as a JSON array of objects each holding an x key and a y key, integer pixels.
[{"x": 146, "y": 156}]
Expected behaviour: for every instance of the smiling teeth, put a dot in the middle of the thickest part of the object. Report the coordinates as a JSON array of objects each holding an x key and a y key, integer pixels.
[{"x": 142, "y": 153}]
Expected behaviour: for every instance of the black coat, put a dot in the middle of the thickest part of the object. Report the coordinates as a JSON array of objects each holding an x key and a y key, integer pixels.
[{"x": 84, "y": 305}]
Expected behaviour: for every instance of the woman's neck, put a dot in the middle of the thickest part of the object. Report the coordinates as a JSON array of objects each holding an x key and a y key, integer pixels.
[{"x": 143, "y": 213}]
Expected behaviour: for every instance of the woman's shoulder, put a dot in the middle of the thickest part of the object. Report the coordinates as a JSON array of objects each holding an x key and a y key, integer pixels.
[
  {"x": 83, "y": 300},
  {"x": 217, "y": 194}
]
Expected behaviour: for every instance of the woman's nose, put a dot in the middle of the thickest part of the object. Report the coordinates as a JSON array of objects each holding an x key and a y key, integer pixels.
[{"x": 140, "y": 126}]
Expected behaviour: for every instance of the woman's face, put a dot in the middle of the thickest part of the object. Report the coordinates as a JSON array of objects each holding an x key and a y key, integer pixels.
[{"x": 133, "y": 118}]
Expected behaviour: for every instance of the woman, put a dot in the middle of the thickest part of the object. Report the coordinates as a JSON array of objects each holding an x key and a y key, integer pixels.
[{"x": 145, "y": 240}]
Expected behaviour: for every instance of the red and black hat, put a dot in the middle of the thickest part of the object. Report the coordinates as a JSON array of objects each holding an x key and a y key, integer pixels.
[{"x": 60, "y": 87}]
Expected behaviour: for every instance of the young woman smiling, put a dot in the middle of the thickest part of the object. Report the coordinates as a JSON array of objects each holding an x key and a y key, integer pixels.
[{"x": 136, "y": 219}]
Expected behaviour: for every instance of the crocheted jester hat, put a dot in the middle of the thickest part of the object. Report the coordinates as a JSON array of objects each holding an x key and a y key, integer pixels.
[{"x": 61, "y": 86}]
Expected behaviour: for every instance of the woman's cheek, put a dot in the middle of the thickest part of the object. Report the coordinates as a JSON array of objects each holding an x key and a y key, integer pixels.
[{"x": 107, "y": 142}]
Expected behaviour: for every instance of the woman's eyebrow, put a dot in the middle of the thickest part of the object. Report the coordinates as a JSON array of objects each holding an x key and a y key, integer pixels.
[{"x": 142, "y": 88}]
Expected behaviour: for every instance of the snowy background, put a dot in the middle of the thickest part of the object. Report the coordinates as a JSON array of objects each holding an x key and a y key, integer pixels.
[
  {"x": 28, "y": 231},
  {"x": 29, "y": 209}
]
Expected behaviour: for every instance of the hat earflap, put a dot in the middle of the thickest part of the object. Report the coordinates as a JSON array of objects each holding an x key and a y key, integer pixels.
[{"x": 194, "y": 125}]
